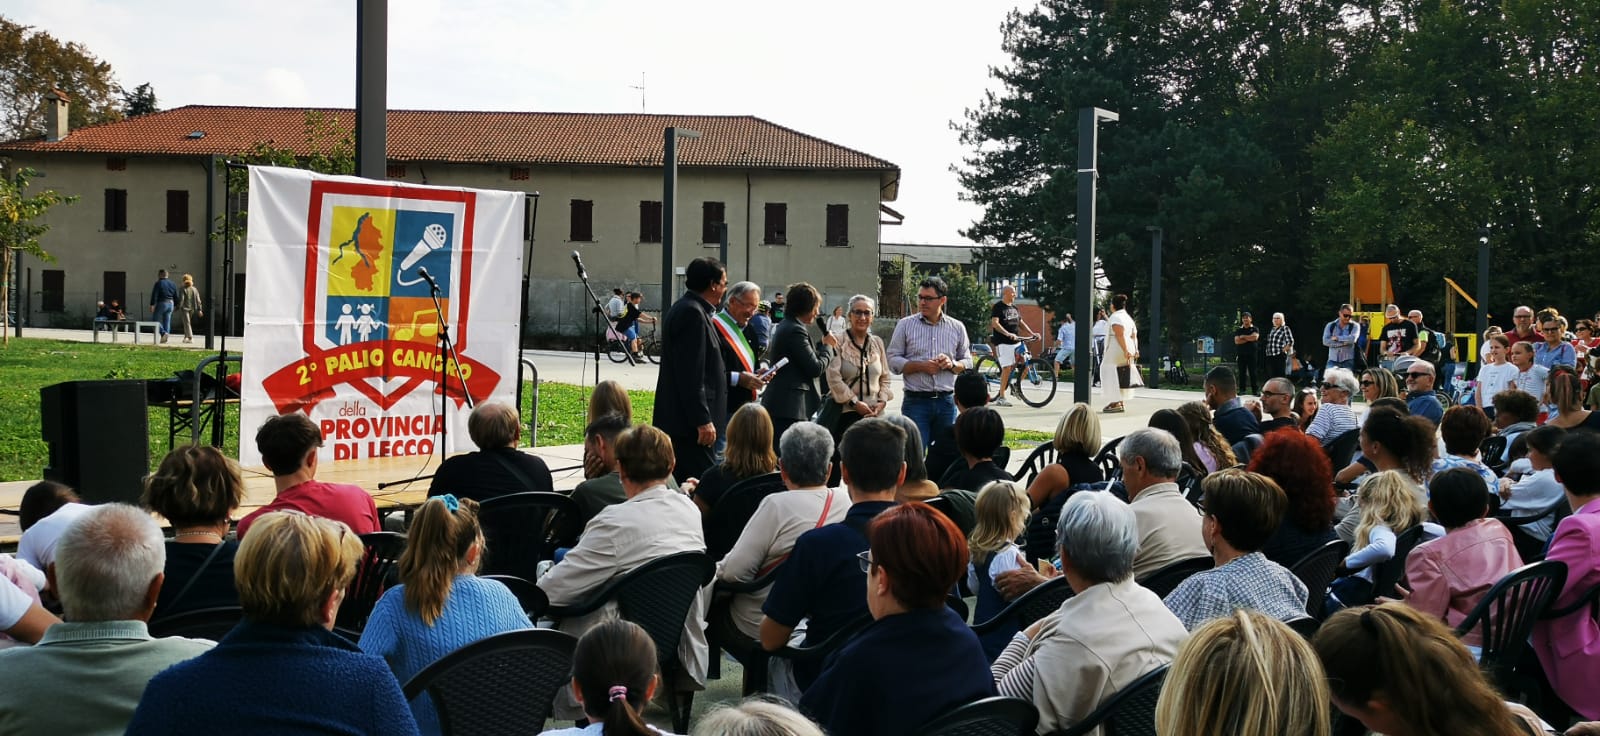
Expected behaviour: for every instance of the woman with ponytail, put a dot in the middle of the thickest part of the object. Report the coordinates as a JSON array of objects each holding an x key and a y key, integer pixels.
[
  {"x": 440, "y": 605},
  {"x": 614, "y": 677}
]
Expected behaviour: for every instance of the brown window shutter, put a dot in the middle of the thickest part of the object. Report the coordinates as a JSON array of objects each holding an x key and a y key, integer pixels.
[
  {"x": 582, "y": 229},
  {"x": 649, "y": 222},
  {"x": 838, "y": 225},
  {"x": 177, "y": 210}
]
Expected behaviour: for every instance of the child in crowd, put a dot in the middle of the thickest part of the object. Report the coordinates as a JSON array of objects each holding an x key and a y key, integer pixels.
[
  {"x": 1389, "y": 505},
  {"x": 1002, "y": 515},
  {"x": 1449, "y": 575},
  {"x": 614, "y": 676}
]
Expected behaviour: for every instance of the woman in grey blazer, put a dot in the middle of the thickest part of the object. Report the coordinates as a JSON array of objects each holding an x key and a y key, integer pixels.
[{"x": 792, "y": 396}]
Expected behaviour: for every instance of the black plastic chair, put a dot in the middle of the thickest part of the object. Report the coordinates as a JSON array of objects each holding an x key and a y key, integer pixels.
[
  {"x": 1041, "y": 456},
  {"x": 1130, "y": 712},
  {"x": 821, "y": 650},
  {"x": 657, "y": 596},
  {"x": 1246, "y": 447},
  {"x": 1188, "y": 481},
  {"x": 755, "y": 672},
  {"x": 1507, "y": 614},
  {"x": 532, "y": 597},
  {"x": 1493, "y": 451},
  {"x": 998, "y": 716},
  {"x": 958, "y": 606},
  {"x": 517, "y": 531},
  {"x": 1029, "y": 607},
  {"x": 1317, "y": 570},
  {"x": 940, "y": 504},
  {"x": 1165, "y": 580},
  {"x": 1106, "y": 458},
  {"x": 505, "y": 684},
  {"x": 376, "y": 572},
  {"x": 202, "y": 623},
  {"x": 1532, "y": 548},
  {"x": 1306, "y": 627},
  {"x": 727, "y": 519},
  {"x": 1342, "y": 450},
  {"x": 1390, "y": 572}
]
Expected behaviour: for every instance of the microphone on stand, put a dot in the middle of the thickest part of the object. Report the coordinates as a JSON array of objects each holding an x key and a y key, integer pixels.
[
  {"x": 423, "y": 272},
  {"x": 582, "y": 273}
]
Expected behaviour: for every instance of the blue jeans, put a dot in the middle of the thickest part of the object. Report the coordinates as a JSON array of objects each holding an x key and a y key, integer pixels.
[
  {"x": 929, "y": 413},
  {"x": 164, "y": 316},
  {"x": 1348, "y": 365}
]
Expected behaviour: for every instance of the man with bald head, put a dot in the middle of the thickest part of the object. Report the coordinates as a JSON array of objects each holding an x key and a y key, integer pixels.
[{"x": 498, "y": 468}]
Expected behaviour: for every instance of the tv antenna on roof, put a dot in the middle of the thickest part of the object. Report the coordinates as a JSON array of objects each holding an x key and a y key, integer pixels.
[{"x": 640, "y": 87}]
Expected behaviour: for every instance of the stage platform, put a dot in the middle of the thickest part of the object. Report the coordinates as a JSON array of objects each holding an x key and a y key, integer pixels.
[{"x": 368, "y": 473}]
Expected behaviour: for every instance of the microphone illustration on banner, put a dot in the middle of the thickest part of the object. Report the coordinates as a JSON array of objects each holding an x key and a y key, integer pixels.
[
  {"x": 433, "y": 238},
  {"x": 582, "y": 273}
]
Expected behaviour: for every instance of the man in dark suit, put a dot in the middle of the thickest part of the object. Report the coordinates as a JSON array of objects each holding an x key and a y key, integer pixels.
[
  {"x": 791, "y": 394},
  {"x": 692, "y": 385},
  {"x": 1230, "y": 417}
]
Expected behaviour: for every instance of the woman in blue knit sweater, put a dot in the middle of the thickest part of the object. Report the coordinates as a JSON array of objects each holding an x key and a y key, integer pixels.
[{"x": 440, "y": 605}]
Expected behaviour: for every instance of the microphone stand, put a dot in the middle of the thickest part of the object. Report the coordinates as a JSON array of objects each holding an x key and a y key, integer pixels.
[
  {"x": 600, "y": 313},
  {"x": 445, "y": 353}
]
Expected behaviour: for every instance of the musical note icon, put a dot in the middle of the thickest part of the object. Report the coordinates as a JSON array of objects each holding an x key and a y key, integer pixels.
[{"x": 419, "y": 328}]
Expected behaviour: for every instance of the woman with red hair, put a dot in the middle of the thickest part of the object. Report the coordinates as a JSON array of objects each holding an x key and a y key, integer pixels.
[
  {"x": 1299, "y": 465},
  {"x": 914, "y": 556}
]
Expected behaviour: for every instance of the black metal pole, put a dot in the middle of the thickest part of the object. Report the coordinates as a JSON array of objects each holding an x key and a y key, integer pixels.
[
  {"x": 1157, "y": 345},
  {"x": 1483, "y": 280},
  {"x": 1088, "y": 145},
  {"x": 669, "y": 211},
  {"x": 211, "y": 228},
  {"x": 372, "y": 86}
]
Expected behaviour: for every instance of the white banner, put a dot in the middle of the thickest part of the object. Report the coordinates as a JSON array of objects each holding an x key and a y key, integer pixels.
[{"x": 341, "y": 324}]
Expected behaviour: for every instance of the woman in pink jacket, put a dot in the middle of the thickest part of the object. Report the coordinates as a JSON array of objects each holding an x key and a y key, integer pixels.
[
  {"x": 1449, "y": 575},
  {"x": 1569, "y": 647}
]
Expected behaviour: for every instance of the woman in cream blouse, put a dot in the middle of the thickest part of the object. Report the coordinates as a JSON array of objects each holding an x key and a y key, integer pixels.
[{"x": 858, "y": 375}]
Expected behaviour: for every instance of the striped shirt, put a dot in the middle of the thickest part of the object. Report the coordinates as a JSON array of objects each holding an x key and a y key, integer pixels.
[
  {"x": 915, "y": 338},
  {"x": 1332, "y": 421}
]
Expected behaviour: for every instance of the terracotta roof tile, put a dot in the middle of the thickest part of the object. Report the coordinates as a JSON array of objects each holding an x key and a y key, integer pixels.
[{"x": 584, "y": 139}]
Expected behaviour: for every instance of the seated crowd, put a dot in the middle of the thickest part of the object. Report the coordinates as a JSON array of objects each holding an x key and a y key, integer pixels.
[{"x": 842, "y": 598}]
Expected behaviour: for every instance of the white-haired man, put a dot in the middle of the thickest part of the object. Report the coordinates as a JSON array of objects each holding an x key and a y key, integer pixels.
[{"x": 87, "y": 675}]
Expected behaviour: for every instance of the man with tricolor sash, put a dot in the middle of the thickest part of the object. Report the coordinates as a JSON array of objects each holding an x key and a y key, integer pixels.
[{"x": 738, "y": 355}]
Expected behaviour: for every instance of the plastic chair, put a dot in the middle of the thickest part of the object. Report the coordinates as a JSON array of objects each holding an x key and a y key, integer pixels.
[
  {"x": 1029, "y": 607},
  {"x": 532, "y": 597},
  {"x": 376, "y": 572},
  {"x": 1493, "y": 451},
  {"x": 755, "y": 672},
  {"x": 1130, "y": 712},
  {"x": 1342, "y": 450},
  {"x": 517, "y": 531},
  {"x": 1106, "y": 458},
  {"x": 1317, "y": 569},
  {"x": 657, "y": 596},
  {"x": 1037, "y": 460},
  {"x": 1389, "y": 572},
  {"x": 202, "y": 623},
  {"x": 1532, "y": 548},
  {"x": 505, "y": 684},
  {"x": 996, "y": 716},
  {"x": 1507, "y": 614},
  {"x": 1245, "y": 447},
  {"x": 727, "y": 519},
  {"x": 1165, "y": 580},
  {"x": 958, "y": 606},
  {"x": 1306, "y": 627}
]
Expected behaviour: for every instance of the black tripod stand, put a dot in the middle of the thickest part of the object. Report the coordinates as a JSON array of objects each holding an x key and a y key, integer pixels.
[{"x": 600, "y": 336}]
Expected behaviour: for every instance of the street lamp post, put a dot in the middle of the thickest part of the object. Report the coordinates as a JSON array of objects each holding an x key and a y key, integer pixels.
[
  {"x": 1156, "y": 344},
  {"x": 669, "y": 207},
  {"x": 1483, "y": 279},
  {"x": 1089, "y": 119}
]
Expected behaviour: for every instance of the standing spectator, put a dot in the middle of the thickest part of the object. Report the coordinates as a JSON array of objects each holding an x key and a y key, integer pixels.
[
  {"x": 1399, "y": 337},
  {"x": 692, "y": 383},
  {"x": 1232, "y": 419},
  {"x": 1449, "y": 575},
  {"x": 1098, "y": 334},
  {"x": 779, "y": 311},
  {"x": 1280, "y": 347},
  {"x": 196, "y": 489},
  {"x": 858, "y": 374},
  {"x": 792, "y": 395},
  {"x": 86, "y": 675},
  {"x": 1569, "y": 647},
  {"x": 1244, "y": 342},
  {"x": 1496, "y": 374},
  {"x": 930, "y": 349},
  {"x": 1119, "y": 368},
  {"x": 1554, "y": 350},
  {"x": 282, "y": 669},
  {"x": 1242, "y": 511},
  {"x": 1523, "y": 330},
  {"x": 1530, "y": 376},
  {"x": 1340, "y": 336},
  {"x": 759, "y": 331},
  {"x": 615, "y": 305},
  {"x": 163, "y": 299},
  {"x": 189, "y": 305},
  {"x": 836, "y": 321},
  {"x": 1244, "y": 675},
  {"x": 738, "y": 355},
  {"x": 497, "y": 468},
  {"x": 1588, "y": 338},
  {"x": 1006, "y": 330},
  {"x": 1334, "y": 417},
  {"x": 1419, "y": 392},
  {"x": 1066, "y": 342},
  {"x": 288, "y": 445}
]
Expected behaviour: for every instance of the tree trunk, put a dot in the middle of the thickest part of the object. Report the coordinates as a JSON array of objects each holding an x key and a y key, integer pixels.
[{"x": 5, "y": 297}]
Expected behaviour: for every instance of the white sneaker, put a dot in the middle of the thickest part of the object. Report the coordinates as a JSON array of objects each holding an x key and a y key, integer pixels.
[{"x": 1000, "y": 402}]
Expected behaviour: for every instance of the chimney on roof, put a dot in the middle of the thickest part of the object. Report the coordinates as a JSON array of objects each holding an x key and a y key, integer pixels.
[{"x": 55, "y": 115}]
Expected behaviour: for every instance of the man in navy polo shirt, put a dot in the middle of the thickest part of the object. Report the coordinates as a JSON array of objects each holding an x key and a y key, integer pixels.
[{"x": 822, "y": 580}]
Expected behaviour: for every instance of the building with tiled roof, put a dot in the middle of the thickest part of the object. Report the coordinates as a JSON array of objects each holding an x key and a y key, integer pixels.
[{"x": 797, "y": 208}]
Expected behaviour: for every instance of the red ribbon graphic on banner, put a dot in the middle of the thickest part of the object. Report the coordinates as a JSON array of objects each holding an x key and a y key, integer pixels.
[{"x": 300, "y": 385}]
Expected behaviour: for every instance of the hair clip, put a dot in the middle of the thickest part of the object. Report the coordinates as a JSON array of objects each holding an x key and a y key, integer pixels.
[
  {"x": 450, "y": 502},
  {"x": 618, "y": 692}
]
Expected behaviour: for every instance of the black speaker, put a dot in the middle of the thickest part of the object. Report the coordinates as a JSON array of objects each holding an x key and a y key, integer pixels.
[{"x": 99, "y": 437}]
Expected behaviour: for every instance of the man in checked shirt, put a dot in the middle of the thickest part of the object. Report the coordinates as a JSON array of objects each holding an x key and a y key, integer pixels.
[{"x": 929, "y": 348}]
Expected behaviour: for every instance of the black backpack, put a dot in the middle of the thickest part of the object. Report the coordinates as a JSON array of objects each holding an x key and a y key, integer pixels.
[{"x": 1039, "y": 541}]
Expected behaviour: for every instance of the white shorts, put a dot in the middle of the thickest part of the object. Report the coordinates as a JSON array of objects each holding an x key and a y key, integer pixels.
[{"x": 1006, "y": 354}]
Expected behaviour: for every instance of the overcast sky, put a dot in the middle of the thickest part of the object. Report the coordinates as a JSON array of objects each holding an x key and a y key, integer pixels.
[{"x": 882, "y": 76}]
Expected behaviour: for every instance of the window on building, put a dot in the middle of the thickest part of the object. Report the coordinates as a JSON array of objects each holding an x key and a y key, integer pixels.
[
  {"x": 116, "y": 209},
  {"x": 711, "y": 219},
  {"x": 396, "y": 171},
  {"x": 177, "y": 210},
  {"x": 838, "y": 225},
  {"x": 114, "y": 285},
  {"x": 649, "y": 222},
  {"x": 777, "y": 224},
  {"x": 55, "y": 291},
  {"x": 582, "y": 230}
]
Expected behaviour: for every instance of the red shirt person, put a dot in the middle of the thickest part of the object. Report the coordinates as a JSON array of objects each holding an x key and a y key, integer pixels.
[{"x": 288, "y": 445}]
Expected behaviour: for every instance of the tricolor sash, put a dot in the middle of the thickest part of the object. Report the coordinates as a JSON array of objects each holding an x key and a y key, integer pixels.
[{"x": 734, "y": 337}]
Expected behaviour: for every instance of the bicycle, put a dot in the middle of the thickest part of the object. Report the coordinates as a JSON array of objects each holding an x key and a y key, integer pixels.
[
  {"x": 1033, "y": 378},
  {"x": 617, "y": 347}
]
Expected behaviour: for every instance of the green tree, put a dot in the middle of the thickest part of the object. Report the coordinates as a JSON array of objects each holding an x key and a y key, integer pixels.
[
  {"x": 140, "y": 101},
  {"x": 327, "y": 148},
  {"x": 32, "y": 63},
  {"x": 20, "y": 231},
  {"x": 968, "y": 299}
]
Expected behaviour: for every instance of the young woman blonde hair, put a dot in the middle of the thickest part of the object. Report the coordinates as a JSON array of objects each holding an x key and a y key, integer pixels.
[
  {"x": 1388, "y": 499},
  {"x": 1400, "y": 671},
  {"x": 1078, "y": 430},
  {"x": 1244, "y": 675},
  {"x": 441, "y": 544}
]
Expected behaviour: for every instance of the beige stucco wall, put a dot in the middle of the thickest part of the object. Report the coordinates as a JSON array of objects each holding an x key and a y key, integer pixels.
[{"x": 614, "y": 258}]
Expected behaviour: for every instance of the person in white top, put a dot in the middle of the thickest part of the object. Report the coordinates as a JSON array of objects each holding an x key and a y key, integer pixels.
[
  {"x": 37, "y": 546},
  {"x": 1097, "y": 334},
  {"x": 807, "y": 452},
  {"x": 615, "y": 306},
  {"x": 1496, "y": 374},
  {"x": 1530, "y": 376},
  {"x": 837, "y": 323},
  {"x": 1538, "y": 490},
  {"x": 1066, "y": 341},
  {"x": 1119, "y": 368}
]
